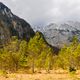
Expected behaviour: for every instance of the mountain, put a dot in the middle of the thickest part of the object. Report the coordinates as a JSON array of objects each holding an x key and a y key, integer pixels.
[
  {"x": 60, "y": 34},
  {"x": 12, "y": 25}
]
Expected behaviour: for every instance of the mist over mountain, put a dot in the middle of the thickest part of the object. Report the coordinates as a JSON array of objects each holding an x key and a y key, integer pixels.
[
  {"x": 54, "y": 33},
  {"x": 40, "y": 12}
]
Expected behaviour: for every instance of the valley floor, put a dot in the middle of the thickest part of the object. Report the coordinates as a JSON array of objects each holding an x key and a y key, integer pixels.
[{"x": 54, "y": 75}]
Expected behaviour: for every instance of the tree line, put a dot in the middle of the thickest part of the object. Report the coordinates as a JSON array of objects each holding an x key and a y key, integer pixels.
[
  {"x": 36, "y": 54},
  {"x": 19, "y": 54}
]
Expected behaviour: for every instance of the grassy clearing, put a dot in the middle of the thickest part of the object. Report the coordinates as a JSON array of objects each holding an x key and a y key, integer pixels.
[{"x": 53, "y": 75}]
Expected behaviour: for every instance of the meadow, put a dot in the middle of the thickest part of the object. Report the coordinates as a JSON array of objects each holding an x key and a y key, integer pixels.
[{"x": 53, "y": 75}]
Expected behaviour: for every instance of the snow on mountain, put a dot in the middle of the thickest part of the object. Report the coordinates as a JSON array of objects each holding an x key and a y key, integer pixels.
[{"x": 60, "y": 34}]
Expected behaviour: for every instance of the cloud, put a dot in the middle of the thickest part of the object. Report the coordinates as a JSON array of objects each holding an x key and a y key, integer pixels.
[
  {"x": 45, "y": 11},
  {"x": 13, "y": 0}
]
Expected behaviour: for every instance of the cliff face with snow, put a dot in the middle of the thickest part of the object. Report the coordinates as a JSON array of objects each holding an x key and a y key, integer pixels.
[{"x": 58, "y": 35}]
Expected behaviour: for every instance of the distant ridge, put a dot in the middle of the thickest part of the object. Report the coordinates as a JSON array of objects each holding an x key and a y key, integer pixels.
[{"x": 58, "y": 35}]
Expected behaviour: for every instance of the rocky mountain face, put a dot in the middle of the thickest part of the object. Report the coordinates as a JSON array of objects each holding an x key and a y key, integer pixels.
[
  {"x": 55, "y": 34},
  {"x": 12, "y": 25},
  {"x": 58, "y": 35}
]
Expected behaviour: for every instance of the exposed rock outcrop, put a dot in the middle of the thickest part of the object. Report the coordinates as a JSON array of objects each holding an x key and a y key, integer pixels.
[
  {"x": 58, "y": 35},
  {"x": 12, "y": 25}
]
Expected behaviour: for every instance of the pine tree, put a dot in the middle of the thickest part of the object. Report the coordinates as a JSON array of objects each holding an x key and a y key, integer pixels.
[
  {"x": 38, "y": 51},
  {"x": 33, "y": 50}
]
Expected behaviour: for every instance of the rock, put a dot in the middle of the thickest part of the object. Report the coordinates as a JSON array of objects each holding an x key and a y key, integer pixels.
[
  {"x": 58, "y": 35},
  {"x": 12, "y": 25}
]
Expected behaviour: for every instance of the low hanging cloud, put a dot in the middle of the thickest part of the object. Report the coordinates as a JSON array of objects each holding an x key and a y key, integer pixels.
[{"x": 45, "y": 11}]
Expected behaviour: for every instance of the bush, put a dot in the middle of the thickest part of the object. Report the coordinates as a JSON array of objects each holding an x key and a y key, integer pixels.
[{"x": 72, "y": 70}]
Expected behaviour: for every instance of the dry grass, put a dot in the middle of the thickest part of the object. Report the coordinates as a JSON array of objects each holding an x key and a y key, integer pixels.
[{"x": 53, "y": 75}]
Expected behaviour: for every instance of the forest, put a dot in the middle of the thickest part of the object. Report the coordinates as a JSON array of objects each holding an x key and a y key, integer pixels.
[{"x": 37, "y": 55}]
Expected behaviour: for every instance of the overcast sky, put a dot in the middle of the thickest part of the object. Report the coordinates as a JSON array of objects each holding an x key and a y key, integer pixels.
[{"x": 38, "y": 12}]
